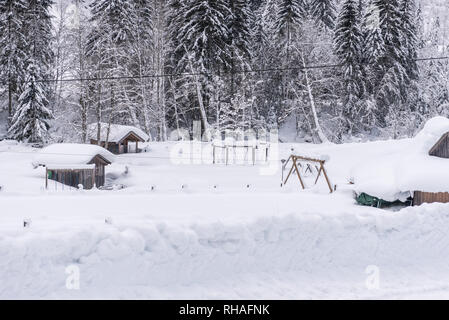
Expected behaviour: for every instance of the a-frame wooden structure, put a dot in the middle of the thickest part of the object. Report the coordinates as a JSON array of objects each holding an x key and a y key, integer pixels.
[{"x": 318, "y": 164}]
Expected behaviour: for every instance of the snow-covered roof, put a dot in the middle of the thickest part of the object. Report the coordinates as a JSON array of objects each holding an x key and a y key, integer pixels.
[
  {"x": 70, "y": 155},
  {"x": 52, "y": 166},
  {"x": 117, "y": 132},
  {"x": 394, "y": 176},
  {"x": 432, "y": 131}
]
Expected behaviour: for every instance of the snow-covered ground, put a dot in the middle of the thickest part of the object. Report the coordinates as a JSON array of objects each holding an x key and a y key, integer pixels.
[{"x": 198, "y": 230}]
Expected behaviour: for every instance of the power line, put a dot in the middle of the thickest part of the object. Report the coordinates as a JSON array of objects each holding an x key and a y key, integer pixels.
[
  {"x": 189, "y": 74},
  {"x": 166, "y": 75},
  {"x": 299, "y": 68},
  {"x": 432, "y": 58}
]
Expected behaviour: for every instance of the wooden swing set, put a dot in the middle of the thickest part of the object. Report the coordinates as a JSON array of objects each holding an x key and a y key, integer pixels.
[{"x": 307, "y": 163}]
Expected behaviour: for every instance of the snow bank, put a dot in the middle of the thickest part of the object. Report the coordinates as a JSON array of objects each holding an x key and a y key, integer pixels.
[
  {"x": 396, "y": 175},
  {"x": 116, "y": 132},
  {"x": 143, "y": 259},
  {"x": 70, "y": 154},
  {"x": 6, "y": 142},
  {"x": 430, "y": 134}
]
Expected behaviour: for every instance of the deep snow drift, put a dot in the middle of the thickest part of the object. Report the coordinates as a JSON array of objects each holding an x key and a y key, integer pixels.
[
  {"x": 407, "y": 168},
  {"x": 297, "y": 255},
  {"x": 197, "y": 230}
]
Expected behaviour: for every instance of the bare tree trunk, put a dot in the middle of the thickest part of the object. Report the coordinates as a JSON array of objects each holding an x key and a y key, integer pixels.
[
  {"x": 200, "y": 97},
  {"x": 82, "y": 101},
  {"x": 318, "y": 128},
  {"x": 10, "y": 115},
  {"x": 10, "y": 88},
  {"x": 160, "y": 64},
  {"x": 108, "y": 131},
  {"x": 143, "y": 93},
  {"x": 98, "y": 113}
]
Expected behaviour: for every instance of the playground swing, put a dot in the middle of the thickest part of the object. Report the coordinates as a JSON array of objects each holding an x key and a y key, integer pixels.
[{"x": 305, "y": 165}]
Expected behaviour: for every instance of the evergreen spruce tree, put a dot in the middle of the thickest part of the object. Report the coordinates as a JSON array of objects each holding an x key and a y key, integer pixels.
[
  {"x": 289, "y": 18},
  {"x": 204, "y": 34},
  {"x": 12, "y": 55},
  {"x": 324, "y": 13},
  {"x": 109, "y": 51},
  {"x": 30, "y": 121},
  {"x": 348, "y": 47},
  {"x": 409, "y": 37},
  {"x": 238, "y": 24},
  {"x": 38, "y": 30},
  {"x": 204, "y": 47},
  {"x": 374, "y": 46},
  {"x": 387, "y": 57},
  {"x": 114, "y": 18},
  {"x": 265, "y": 55}
]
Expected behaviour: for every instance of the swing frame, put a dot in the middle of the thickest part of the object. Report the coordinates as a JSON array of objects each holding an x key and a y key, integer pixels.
[{"x": 319, "y": 166}]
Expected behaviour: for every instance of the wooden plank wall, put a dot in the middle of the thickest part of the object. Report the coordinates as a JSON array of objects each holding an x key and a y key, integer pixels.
[
  {"x": 74, "y": 177},
  {"x": 430, "y": 197},
  {"x": 442, "y": 148}
]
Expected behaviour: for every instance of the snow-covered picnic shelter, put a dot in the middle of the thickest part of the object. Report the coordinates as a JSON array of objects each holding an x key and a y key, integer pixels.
[{"x": 117, "y": 138}]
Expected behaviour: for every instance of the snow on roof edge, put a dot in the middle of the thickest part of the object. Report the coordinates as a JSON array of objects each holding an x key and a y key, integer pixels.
[
  {"x": 414, "y": 170},
  {"x": 116, "y": 133},
  {"x": 70, "y": 154}
]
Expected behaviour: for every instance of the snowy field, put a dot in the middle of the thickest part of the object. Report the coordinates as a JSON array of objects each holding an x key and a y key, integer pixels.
[{"x": 205, "y": 231}]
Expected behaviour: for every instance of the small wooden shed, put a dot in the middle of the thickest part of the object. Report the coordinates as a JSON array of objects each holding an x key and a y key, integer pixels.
[
  {"x": 440, "y": 150},
  {"x": 74, "y": 165},
  {"x": 117, "y": 138}
]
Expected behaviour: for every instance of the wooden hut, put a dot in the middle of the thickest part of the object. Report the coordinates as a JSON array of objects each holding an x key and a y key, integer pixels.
[
  {"x": 117, "y": 138},
  {"x": 440, "y": 150},
  {"x": 74, "y": 165}
]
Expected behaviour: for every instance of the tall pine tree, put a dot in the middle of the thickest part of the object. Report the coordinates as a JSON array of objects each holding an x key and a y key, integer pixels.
[
  {"x": 348, "y": 47},
  {"x": 30, "y": 120},
  {"x": 203, "y": 46},
  {"x": 12, "y": 50},
  {"x": 387, "y": 57},
  {"x": 324, "y": 13}
]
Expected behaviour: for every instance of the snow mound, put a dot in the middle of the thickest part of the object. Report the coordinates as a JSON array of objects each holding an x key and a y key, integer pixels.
[
  {"x": 67, "y": 154},
  {"x": 116, "y": 132},
  {"x": 395, "y": 176},
  {"x": 127, "y": 260},
  {"x": 7, "y": 142},
  {"x": 431, "y": 133}
]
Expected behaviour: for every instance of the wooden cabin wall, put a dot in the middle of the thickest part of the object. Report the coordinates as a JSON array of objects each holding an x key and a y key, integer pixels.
[
  {"x": 442, "y": 148},
  {"x": 112, "y": 146},
  {"x": 122, "y": 146},
  {"x": 99, "y": 175},
  {"x": 99, "y": 171},
  {"x": 73, "y": 178},
  {"x": 430, "y": 197}
]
